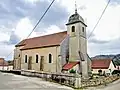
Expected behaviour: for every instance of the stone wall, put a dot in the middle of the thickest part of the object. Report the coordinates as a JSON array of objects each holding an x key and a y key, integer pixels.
[
  {"x": 99, "y": 81},
  {"x": 65, "y": 79}
]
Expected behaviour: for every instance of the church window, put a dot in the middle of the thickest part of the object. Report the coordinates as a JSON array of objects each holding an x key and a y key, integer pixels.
[
  {"x": 25, "y": 58},
  {"x": 36, "y": 58},
  {"x": 50, "y": 58},
  {"x": 83, "y": 29},
  {"x": 19, "y": 55},
  {"x": 73, "y": 28}
]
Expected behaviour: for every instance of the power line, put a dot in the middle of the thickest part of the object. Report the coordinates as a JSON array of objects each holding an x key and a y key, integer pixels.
[
  {"x": 37, "y": 23},
  {"x": 99, "y": 19},
  {"x": 41, "y": 17}
]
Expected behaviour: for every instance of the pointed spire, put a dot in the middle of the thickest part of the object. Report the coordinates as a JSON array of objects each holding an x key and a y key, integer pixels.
[{"x": 75, "y": 7}]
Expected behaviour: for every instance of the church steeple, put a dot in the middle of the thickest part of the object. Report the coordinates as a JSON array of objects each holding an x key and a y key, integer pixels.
[
  {"x": 75, "y": 18},
  {"x": 76, "y": 29},
  {"x": 75, "y": 7}
]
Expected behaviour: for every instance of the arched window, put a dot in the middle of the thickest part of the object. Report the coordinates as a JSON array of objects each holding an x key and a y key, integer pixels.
[
  {"x": 83, "y": 29},
  {"x": 73, "y": 28},
  {"x": 25, "y": 58},
  {"x": 36, "y": 58},
  {"x": 50, "y": 58}
]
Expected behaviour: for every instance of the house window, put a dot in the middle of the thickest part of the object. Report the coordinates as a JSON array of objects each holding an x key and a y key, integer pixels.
[
  {"x": 73, "y": 28},
  {"x": 36, "y": 58},
  {"x": 50, "y": 58},
  {"x": 25, "y": 58},
  {"x": 83, "y": 29}
]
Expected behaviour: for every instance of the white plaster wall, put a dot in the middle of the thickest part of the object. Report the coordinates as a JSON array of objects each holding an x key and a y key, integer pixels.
[
  {"x": 10, "y": 67},
  {"x": 112, "y": 67},
  {"x": 76, "y": 67},
  {"x": 3, "y": 67}
]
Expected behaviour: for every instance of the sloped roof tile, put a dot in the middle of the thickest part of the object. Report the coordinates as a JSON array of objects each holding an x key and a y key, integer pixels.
[
  {"x": 70, "y": 65},
  {"x": 43, "y": 41},
  {"x": 101, "y": 63}
]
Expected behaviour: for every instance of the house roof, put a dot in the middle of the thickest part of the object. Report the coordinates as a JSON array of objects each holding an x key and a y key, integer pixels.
[
  {"x": 101, "y": 63},
  {"x": 70, "y": 65},
  {"x": 43, "y": 41},
  {"x": 3, "y": 62}
]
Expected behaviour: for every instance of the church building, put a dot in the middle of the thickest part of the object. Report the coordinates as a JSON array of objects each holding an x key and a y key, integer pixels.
[{"x": 59, "y": 52}]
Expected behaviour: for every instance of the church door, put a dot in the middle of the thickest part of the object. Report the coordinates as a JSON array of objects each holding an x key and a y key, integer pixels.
[
  {"x": 42, "y": 63},
  {"x": 30, "y": 63}
]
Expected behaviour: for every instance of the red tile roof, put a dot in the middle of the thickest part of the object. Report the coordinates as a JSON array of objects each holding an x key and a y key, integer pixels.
[
  {"x": 43, "y": 41},
  {"x": 101, "y": 63},
  {"x": 3, "y": 62},
  {"x": 70, "y": 65}
]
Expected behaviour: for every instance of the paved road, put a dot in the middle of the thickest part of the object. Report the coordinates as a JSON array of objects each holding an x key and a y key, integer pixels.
[
  {"x": 17, "y": 82},
  {"x": 113, "y": 86}
]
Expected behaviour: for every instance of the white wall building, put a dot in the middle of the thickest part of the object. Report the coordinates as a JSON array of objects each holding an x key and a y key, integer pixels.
[{"x": 105, "y": 65}]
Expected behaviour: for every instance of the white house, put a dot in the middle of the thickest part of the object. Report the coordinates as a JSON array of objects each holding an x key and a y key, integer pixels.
[{"x": 105, "y": 65}]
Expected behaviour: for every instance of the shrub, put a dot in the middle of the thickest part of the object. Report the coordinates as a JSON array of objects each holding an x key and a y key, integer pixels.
[
  {"x": 72, "y": 71},
  {"x": 116, "y": 72}
]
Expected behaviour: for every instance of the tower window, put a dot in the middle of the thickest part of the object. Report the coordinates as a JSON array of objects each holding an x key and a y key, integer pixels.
[
  {"x": 83, "y": 29},
  {"x": 25, "y": 58},
  {"x": 50, "y": 58},
  {"x": 73, "y": 28},
  {"x": 36, "y": 58}
]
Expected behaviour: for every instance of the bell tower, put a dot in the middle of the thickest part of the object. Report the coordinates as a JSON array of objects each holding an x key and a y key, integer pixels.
[{"x": 76, "y": 29}]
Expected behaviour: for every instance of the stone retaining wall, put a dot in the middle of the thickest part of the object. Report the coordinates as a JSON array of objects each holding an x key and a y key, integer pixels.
[
  {"x": 65, "y": 79},
  {"x": 99, "y": 81}
]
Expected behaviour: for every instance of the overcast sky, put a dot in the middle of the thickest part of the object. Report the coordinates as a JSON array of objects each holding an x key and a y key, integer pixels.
[{"x": 17, "y": 18}]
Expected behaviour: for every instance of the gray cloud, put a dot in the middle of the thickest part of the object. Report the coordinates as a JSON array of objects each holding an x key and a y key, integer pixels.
[
  {"x": 95, "y": 41},
  {"x": 13, "y": 11},
  {"x": 92, "y": 38},
  {"x": 56, "y": 15},
  {"x": 114, "y": 2},
  {"x": 111, "y": 47},
  {"x": 13, "y": 39}
]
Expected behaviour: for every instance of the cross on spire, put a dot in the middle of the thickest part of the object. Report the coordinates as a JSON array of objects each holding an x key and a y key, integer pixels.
[{"x": 75, "y": 7}]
